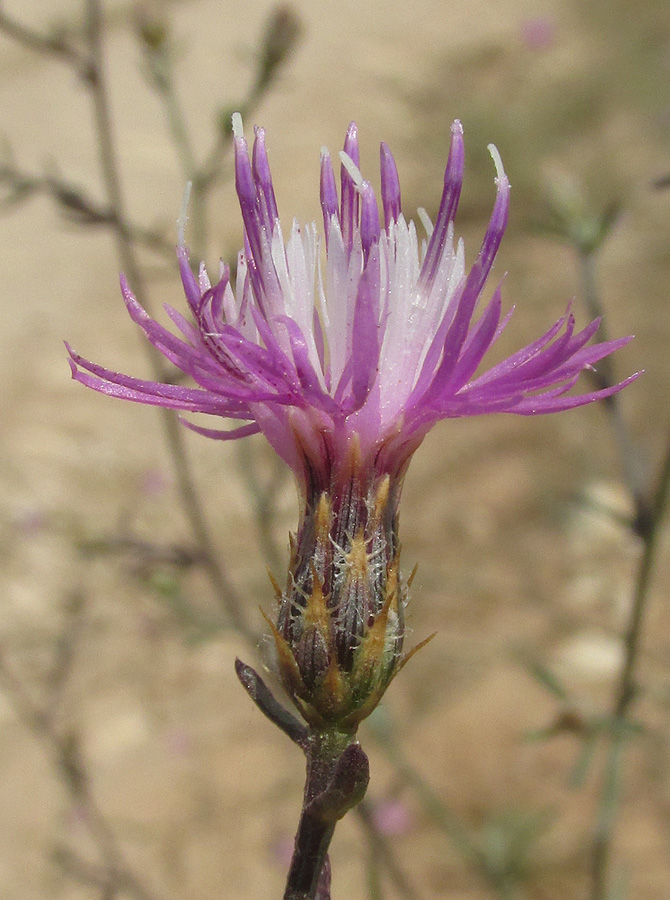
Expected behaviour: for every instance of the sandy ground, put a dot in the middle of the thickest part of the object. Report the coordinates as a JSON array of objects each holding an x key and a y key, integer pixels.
[{"x": 201, "y": 792}]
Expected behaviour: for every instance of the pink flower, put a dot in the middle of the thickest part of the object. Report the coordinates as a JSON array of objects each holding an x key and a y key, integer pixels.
[
  {"x": 376, "y": 345},
  {"x": 345, "y": 364}
]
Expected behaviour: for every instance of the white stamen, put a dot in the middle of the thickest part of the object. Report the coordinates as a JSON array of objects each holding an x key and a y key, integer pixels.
[
  {"x": 238, "y": 128},
  {"x": 183, "y": 215},
  {"x": 425, "y": 221},
  {"x": 352, "y": 169},
  {"x": 203, "y": 278},
  {"x": 497, "y": 160}
]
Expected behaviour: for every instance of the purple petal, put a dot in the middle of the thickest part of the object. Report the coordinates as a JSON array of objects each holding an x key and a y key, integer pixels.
[
  {"x": 329, "y": 201},
  {"x": 188, "y": 279},
  {"x": 170, "y": 396},
  {"x": 304, "y": 368},
  {"x": 370, "y": 227},
  {"x": 365, "y": 343},
  {"x": 390, "y": 186},
  {"x": 453, "y": 181},
  {"x": 219, "y": 435},
  {"x": 478, "y": 343},
  {"x": 349, "y": 213},
  {"x": 263, "y": 179},
  {"x": 246, "y": 194},
  {"x": 516, "y": 360},
  {"x": 531, "y": 406}
]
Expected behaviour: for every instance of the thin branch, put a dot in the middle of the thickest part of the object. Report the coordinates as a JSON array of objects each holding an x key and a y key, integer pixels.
[
  {"x": 55, "y": 45},
  {"x": 263, "y": 496},
  {"x": 626, "y": 692},
  {"x": 74, "y": 203},
  {"x": 228, "y": 597},
  {"x": 633, "y": 470},
  {"x": 649, "y": 511},
  {"x": 110, "y": 881},
  {"x": 160, "y": 63},
  {"x": 27, "y": 710},
  {"x": 62, "y": 748},
  {"x": 65, "y": 649},
  {"x": 626, "y": 689}
]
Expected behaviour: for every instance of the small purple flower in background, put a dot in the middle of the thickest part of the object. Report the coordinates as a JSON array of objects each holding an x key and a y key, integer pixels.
[
  {"x": 345, "y": 364},
  {"x": 538, "y": 33},
  {"x": 178, "y": 741},
  {"x": 392, "y": 817},
  {"x": 29, "y": 519},
  {"x": 154, "y": 482}
]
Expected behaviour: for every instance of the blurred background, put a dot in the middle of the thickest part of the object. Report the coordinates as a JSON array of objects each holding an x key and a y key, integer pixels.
[{"x": 133, "y": 764}]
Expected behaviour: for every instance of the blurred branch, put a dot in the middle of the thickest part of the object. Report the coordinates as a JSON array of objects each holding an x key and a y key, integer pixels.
[
  {"x": 263, "y": 495},
  {"x": 55, "y": 44},
  {"x": 382, "y": 859},
  {"x": 110, "y": 882},
  {"x": 626, "y": 690},
  {"x": 65, "y": 649},
  {"x": 62, "y": 746},
  {"x": 227, "y": 595},
  {"x": 433, "y": 806},
  {"x": 604, "y": 377},
  {"x": 90, "y": 64},
  {"x": 649, "y": 501},
  {"x": 662, "y": 182},
  {"x": 74, "y": 203},
  {"x": 570, "y": 221},
  {"x": 586, "y": 234},
  {"x": 282, "y": 32}
]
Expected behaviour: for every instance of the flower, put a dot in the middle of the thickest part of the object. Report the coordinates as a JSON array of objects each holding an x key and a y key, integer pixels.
[{"x": 345, "y": 367}]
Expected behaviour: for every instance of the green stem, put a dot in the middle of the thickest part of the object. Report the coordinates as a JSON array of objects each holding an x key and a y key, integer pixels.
[
  {"x": 648, "y": 517},
  {"x": 626, "y": 692},
  {"x": 630, "y": 461},
  {"x": 606, "y": 816}
]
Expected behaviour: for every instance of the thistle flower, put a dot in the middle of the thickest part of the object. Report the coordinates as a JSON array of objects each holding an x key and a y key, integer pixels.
[{"x": 345, "y": 365}]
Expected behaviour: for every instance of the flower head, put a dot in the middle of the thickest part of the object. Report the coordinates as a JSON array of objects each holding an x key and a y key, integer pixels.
[
  {"x": 374, "y": 347},
  {"x": 344, "y": 363}
]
